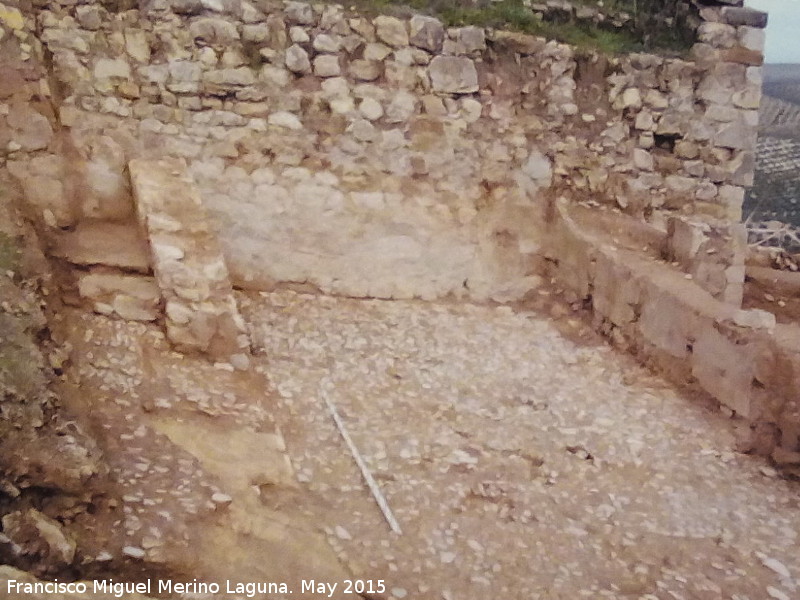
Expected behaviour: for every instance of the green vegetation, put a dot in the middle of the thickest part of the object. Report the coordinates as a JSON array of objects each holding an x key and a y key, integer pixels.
[
  {"x": 653, "y": 24},
  {"x": 9, "y": 253}
]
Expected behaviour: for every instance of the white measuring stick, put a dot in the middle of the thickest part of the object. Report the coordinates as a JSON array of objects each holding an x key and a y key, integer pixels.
[{"x": 373, "y": 485}]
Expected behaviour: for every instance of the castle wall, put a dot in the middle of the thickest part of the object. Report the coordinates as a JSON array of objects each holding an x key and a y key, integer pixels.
[{"x": 381, "y": 156}]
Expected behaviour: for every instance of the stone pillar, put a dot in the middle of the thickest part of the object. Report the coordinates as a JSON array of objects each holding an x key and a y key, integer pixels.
[
  {"x": 201, "y": 313},
  {"x": 712, "y": 252},
  {"x": 730, "y": 50}
]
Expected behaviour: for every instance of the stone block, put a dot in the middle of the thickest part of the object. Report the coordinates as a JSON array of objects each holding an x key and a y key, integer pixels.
[
  {"x": 297, "y": 60},
  {"x": 617, "y": 294},
  {"x": 131, "y": 297},
  {"x": 736, "y": 16},
  {"x": 472, "y": 39},
  {"x": 453, "y": 75},
  {"x": 743, "y": 56},
  {"x": 327, "y": 65},
  {"x": 48, "y": 196},
  {"x": 324, "y": 42},
  {"x": 365, "y": 70},
  {"x": 717, "y": 35},
  {"x": 752, "y": 38},
  {"x": 210, "y": 31},
  {"x": 391, "y": 31},
  {"x": 30, "y": 130},
  {"x": 663, "y": 323},
  {"x": 108, "y": 68},
  {"x": 712, "y": 252},
  {"x": 520, "y": 43},
  {"x": 120, "y": 245},
  {"x": 426, "y": 33},
  {"x": 736, "y": 136},
  {"x": 725, "y": 369},
  {"x": 299, "y": 13}
]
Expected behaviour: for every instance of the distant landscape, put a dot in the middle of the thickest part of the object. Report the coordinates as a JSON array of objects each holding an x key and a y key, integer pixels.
[
  {"x": 782, "y": 81},
  {"x": 775, "y": 194}
]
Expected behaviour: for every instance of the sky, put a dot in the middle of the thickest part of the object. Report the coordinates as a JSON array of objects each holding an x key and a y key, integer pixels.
[{"x": 783, "y": 30}]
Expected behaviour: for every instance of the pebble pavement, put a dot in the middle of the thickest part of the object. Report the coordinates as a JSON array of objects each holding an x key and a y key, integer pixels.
[{"x": 518, "y": 463}]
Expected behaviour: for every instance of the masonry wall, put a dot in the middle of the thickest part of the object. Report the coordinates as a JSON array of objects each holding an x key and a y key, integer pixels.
[
  {"x": 395, "y": 158},
  {"x": 376, "y": 157}
]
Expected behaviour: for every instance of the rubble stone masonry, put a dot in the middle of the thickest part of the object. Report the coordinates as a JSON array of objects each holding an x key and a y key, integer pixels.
[{"x": 397, "y": 158}]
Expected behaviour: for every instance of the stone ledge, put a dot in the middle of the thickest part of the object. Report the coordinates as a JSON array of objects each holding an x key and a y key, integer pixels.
[
  {"x": 744, "y": 361},
  {"x": 119, "y": 245},
  {"x": 750, "y": 17}
]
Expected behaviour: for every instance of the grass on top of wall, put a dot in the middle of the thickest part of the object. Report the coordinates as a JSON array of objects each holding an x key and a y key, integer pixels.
[{"x": 515, "y": 15}]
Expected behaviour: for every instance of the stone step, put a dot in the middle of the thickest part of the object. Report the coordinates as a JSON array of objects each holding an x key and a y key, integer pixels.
[
  {"x": 106, "y": 243},
  {"x": 201, "y": 313}
]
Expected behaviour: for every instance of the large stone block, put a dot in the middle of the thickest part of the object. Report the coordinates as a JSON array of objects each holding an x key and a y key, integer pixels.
[
  {"x": 213, "y": 32},
  {"x": 726, "y": 369},
  {"x": 663, "y": 323},
  {"x": 617, "y": 293},
  {"x": 453, "y": 75},
  {"x": 119, "y": 245},
  {"x": 30, "y": 129},
  {"x": 391, "y": 31},
  {"x": 297, "y": 60},
  {"x": 735, "y": 15},
  {"x": 712, "y": 252},
  {"x": 426, "y": 33}
]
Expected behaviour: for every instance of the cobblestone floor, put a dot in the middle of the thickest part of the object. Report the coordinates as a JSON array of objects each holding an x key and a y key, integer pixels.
[{"x": 519, "y": 464}]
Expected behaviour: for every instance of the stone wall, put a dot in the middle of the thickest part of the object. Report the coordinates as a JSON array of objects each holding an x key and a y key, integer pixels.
[
  {"x": 396, "y": 158},
  {"x": 742, "y": 359},
  {"x": 376, "y": 157}
]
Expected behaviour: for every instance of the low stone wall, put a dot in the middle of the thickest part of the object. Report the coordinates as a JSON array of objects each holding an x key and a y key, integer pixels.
[{"x": 741, "y": 358}]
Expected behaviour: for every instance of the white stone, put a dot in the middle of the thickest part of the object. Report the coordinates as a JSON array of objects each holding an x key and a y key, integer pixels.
[
  {"x": 376, "y": 51},
  {"x": 342, "y": 533},
  {"x": 137, "y": 45},
  {"x": 133, "y": 551},
  {"x": 370, "y": 109},
  {"x": 297, "y": 60},
  {"x": 776, "y": 594},
  {"x": 632, "y": 98},
  {"x": 285, "y": 119},
  {"x": 327, "y": 65},
  {"x": 298, "y": 35},
  {"x": 365, "y": 70},
  {"x": 326, "y": 43},
  {"x": 642, "y": 159},
  {"x": 471, "y": 110},
  {"x": 402, "y": 107},
  {"x": 391, "y": 30},
  {"x": 105, "y": 68},
  {"x": 453, "y": 75},
  {"x": 775, "y": 565},
  {"x": 539, "y": 168},
  {"x": 752, "y": 38},
  {"x": 755, "y": 318}
]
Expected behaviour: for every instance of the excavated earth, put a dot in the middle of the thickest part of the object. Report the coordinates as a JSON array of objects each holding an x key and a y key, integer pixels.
[{"x": 518, "y": 462}]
